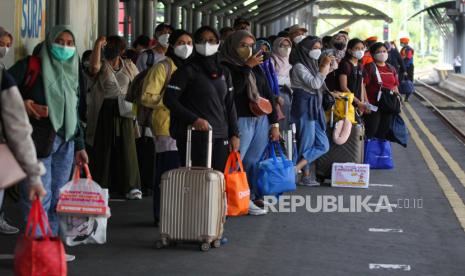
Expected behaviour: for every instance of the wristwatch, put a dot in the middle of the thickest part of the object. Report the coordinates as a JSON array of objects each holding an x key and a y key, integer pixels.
[{"x": 276, "y": 125}]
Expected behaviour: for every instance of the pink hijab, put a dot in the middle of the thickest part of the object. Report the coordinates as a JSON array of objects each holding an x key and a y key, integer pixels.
[{"x": 281, "y": 64}]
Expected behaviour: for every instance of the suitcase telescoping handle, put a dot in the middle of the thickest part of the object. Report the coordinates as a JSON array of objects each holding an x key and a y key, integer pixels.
[
  {"x": 191, "y": 128},
  {"x": 346, "y": 109}
]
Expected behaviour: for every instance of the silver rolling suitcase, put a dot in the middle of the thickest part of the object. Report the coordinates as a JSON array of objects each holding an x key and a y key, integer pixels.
[
  {"x": 193, "y": 203},
  {"x": 350, "y": 152}
]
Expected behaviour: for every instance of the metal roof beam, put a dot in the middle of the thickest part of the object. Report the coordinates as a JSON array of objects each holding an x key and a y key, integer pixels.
[
  {"x": 228, "y": 7},
  {"x": 246, "y": 8},
  {"x": 272, "y": 8},
  {"x": 286, "y": 11},
  {"x": 207, "y": 4}
]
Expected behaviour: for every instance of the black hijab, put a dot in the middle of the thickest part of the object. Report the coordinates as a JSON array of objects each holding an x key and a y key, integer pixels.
[
  {"x": 210, "y": 65},
  {"x": 175, "y": 35}
]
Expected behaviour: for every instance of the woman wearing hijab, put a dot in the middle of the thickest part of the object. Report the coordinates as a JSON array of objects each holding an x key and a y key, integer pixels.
[
  {"x": 250, "y": 83},
  {"x": 52, "y": 105},
  {"x": 281, "y": 51},
  {"x": 308, "y": 84},
  {"x": 167, "y": 156},
  {"x": 110, "y": 132},
  {"x": 15, "y": 131},
  {"x": 200, "y": 94},
  {"x": 337, "y": 49}
]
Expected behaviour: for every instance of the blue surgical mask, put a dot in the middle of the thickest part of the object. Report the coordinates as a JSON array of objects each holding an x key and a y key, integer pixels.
[{"x": 61, "y": 52}]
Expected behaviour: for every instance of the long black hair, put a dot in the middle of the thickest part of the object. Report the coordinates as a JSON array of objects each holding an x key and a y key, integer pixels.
[{"x": 351, "y": 44}]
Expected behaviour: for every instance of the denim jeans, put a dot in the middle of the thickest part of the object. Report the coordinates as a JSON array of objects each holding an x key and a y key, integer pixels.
[
  {"x": 254, "y": 139},
  {"x": 59, "y": 165},
  {"x": 312, "y": 140}
]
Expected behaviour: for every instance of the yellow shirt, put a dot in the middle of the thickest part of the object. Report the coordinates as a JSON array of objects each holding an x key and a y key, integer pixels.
[{"x": 152, "y": 96}]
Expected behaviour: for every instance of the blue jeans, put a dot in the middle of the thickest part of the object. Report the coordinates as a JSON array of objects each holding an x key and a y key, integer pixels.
[
  {"x": 312, "y": 140},
  {"x": 254, "y": 139},
  {"x": 59, "y": 165}
]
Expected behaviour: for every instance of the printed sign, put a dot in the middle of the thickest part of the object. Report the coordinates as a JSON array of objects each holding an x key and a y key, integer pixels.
[
  {"x": 350, "y": 175},
  {"x": 29, "y": 26}
]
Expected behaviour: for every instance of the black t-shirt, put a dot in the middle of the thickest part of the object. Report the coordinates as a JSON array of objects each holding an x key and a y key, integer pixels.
[{"x": 354, "y": 76}]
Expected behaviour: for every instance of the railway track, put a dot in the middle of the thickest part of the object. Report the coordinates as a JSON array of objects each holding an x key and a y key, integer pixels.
[{"x": 450, "y": 108}]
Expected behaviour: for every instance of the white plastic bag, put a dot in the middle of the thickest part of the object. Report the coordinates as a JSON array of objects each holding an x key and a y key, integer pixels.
[
  {"x": 78, "y": 229},
  {"x": 82, "y": 196}
]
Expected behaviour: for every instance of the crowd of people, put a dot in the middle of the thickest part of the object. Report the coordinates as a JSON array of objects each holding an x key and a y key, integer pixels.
[{"x": 247, "y": 90}]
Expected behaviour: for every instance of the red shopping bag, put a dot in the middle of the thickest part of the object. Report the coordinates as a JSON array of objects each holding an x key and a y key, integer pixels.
[
  {"x": 237, "y": 187},
  {"x": 39, "y": 255}
]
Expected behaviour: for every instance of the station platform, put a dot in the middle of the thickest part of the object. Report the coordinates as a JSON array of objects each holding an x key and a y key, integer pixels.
[{"x": 425, "y": 239}]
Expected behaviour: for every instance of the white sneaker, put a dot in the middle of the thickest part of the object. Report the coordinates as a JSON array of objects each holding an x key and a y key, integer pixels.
[
  {"x": 70, "y": 258},
  {"x": 6, "y": 228},
  {"x": 254, "y": 210},
  {"x": 134, "y": 194}
]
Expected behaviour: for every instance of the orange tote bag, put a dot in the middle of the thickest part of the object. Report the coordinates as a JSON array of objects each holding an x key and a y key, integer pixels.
[{"x": 237, "y": 187}]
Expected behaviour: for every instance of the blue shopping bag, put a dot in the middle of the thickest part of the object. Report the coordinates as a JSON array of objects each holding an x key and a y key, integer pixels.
[
  {"x": 378, "y": 154},
  {"x": 276, "y": 175},
  {"x": 406, "y": 87}
]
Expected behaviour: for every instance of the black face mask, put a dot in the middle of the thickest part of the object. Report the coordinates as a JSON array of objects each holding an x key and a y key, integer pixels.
[
  {"x": 110, "y": 52},
  {"x": 339, "y": 45}
]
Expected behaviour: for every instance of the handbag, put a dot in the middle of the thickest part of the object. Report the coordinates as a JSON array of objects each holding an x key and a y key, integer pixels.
[
  {"x": 406, "y": 86},
  {"x": 398, "y": 132},
  {"x": 39, "y": 254},
  {"x": 275, "y": 175},
  {"x": 11, "y": 172},
  {"x": 388, "y": 101},
  {"x": 124, "y": 107},
  {"x": 378, "y": 154},
  {"x": 260, "y": 107},
  {"x": 328, "y": 100},
  {"x": 237, "y": 186}
]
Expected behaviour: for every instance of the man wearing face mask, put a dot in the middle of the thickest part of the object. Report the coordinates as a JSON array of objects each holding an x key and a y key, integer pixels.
[
  {"x": 155, "y": 83},
  {"x": 297, "y": 34},
  {"x": 201, "y": 94},
  {"x": 407, "y": 55},
  {"x": 152, "y": 56},
  {"x": 110, "y": 131}
]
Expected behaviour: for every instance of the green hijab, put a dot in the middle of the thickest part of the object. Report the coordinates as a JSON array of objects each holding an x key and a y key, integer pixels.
[{"x": 61, "y": 81}]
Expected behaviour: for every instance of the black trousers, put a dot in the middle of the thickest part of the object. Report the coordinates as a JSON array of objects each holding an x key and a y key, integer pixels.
[
  {"x": 377, "y": 124},
  {"x": 165, "y": 161},
  {"x": 458, "y": 69},
  {"x": 410, "y": 72},
  {"x": 220, "y": 150}
]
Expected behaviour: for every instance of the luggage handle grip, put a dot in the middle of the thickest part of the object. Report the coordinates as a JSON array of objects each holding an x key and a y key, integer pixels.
[{"x": 191, "y": 128}]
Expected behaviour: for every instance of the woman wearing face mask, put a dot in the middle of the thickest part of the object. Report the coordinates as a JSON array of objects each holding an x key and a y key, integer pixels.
[
  {"x": 51, "y": 102},
  {"x": 281, "y": 50},
  {"x": 201, "y": 94},
  {"x": 350, "y": 73},
  {"x": 377, "y": 123},
  {"x": 337, "y": 49},
  {"x": 6, "y": 40},
  {"x": 250, "y": 83},
  {"x": 308, "y": 84},
  {"x": 110, "y": 133},
  {"x": 15, "y": 131},
  {"x": 167, "y": 157}
]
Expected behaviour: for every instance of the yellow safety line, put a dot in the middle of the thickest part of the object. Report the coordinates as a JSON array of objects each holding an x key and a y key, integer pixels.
[
  {"x": 453, "y": 165},
  {"x": 454, "y": 199}
]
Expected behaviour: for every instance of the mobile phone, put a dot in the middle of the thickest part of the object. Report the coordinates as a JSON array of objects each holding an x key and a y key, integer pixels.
[{"x": 42, "y": 110}]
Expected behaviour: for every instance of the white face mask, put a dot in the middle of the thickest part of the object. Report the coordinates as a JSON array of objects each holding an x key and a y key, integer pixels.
[
  {"x": 284, "y": 52},
  {"x": 315, "y": 54},
  {"x": 207, "y": 49},
  {"x": 358, "y": 54},
  {"x": 299, "y": 38},
  {"x": 3, "y": 51},
  {"x": 163, "y": 40},
  {"x": 183, "y": 51},
  {"x": 381, "y": 57}
]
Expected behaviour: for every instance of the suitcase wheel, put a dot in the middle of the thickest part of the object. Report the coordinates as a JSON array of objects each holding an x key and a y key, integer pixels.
[
  {"x": 216, "y": 243},
  {"x": 205, "y": 247}
]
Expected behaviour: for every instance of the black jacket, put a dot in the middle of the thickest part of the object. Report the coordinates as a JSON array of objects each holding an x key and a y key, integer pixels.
[
  {"x": 192, "y": 94},
  {"x": 239, "y": 74}
]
